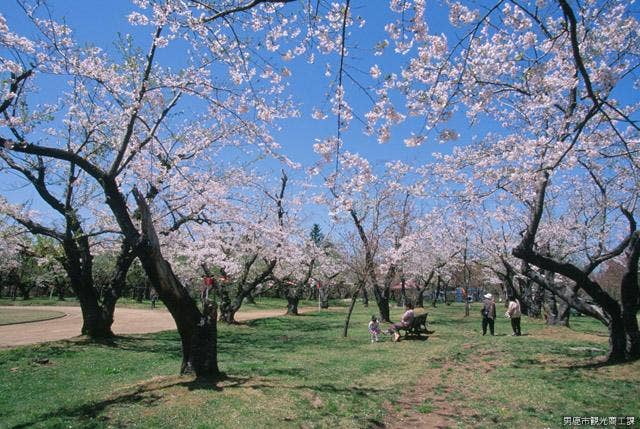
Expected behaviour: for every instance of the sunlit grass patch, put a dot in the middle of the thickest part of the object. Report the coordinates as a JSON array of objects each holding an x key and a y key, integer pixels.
[{"x": 299, "y": 372}]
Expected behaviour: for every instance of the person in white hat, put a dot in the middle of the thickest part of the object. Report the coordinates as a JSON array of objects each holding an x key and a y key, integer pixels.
[{"x": 488, "y": 314}]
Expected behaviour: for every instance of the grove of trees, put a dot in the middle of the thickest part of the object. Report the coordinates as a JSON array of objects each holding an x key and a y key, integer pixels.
[{"x": 170, "y": 149}]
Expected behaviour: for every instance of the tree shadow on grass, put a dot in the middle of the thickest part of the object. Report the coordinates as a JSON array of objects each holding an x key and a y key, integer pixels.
[
  {"x": 88, "y": 412},
  {"x": 594, "y": 363},
  {"x": 165, "y": 343},
  {"x": 414, "y": 338},
  {"x": 150, "y": 393},
  {"x": 565, "y": 363},
  {"x": 278, "y": 333},
  {"x": 232, "y": 382},
  {"x": 146, "y": 394}
]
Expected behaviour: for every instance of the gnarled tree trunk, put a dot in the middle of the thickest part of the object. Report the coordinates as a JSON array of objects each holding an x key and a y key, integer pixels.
[
  {"x": 323, "y": 293},
  {"x": 197, "y": 330},
  {"x": 382, "y": 300},
  {"x": 556, "y": 311},
  {"x": 620, "y": 318},
  {"x": 292, "y": 305},
  {"x": 78, "y": 264}
]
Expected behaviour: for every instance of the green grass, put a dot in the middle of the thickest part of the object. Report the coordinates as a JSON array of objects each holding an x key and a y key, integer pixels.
[
  {"x": 299, "y": 372},
  {"x": 72, "y": 301},
  {"x": 260, "y": 303},
  {"x": 10, "y": 316},
  {"x": 426, "y": 407}
]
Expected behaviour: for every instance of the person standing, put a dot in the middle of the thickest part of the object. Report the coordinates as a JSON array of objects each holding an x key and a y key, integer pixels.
[
  {"x": 153, "y": 295},
  {"x": 374, "y": 328},
  {"x": 514, "y": 313},
  {"x": 488, "y": 314}
]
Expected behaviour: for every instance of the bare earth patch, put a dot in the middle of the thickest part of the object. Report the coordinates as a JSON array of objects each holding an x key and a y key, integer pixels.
[
  {"x": 427, "y": 404},
  {"x": 126, "y": 321},
  {"x": 405, "y": 412}
]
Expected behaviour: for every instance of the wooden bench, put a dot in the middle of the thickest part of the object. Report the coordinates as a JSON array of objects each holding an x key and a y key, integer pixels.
[{"x": 418, "y": 327}]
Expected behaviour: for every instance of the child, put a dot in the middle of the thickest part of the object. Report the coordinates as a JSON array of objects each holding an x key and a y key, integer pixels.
[{"x": 374, "y": 328}]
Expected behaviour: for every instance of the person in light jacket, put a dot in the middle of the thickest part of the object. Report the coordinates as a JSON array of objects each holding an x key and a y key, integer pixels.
[
  {"x": 405, "y": 322},
  {"x": 514, "y": 313}
]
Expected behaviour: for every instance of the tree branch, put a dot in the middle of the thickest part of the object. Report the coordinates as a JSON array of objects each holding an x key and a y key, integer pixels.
[{"x": 241, "y": 8}]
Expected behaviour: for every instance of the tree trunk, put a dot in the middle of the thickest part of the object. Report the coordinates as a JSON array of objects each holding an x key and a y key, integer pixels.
[
  {"x": 25, "y": 292},
  {"x": 382, "y": 300},
  {"x": 324, "y": 297},
  {"x": 557, "y": 311},
  {"x": 197, "y": 329},
  {"x": 630, "y": 299},
  {"x": 204, "y": 353},
  {"x": 623, "y": 338},
  {"x": 351, "y": 306},
  {"x": 79, "y": 267},
  {"x": 227, "y": 312},
  {"x": 365, "y": 297},
  {"x": 537, "y": 298},
  {"x": 60, "y": 287},
  {"x": 437, "y": 292},
  {"x": 420, "y": 298},
  {"x": 94, "y": 324},
  {"x": 113, "y": 292},
  {"x": 617, "y": 341},
  {"x": 227, "y": 315},
  {"x": 630, "y": 322},
  {"x": 421, "y": 292},
  {"x": 292, "y": 305}
]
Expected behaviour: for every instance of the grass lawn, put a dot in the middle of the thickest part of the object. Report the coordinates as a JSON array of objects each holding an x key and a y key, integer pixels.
[
  {"x": 298, "y": 372},
  {"x": 72, "y": 301},
  {"x": 260, "y": 303},
  {"x": 9, "y": 316}
]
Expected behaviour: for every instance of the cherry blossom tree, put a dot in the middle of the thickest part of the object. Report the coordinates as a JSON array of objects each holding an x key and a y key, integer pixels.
[
  {"x": 380, "y": 209},
  {"x": 239, "y": 242},
  {"x": 551, "y": 77},
  {"x": 77, "y": 243},
  {"x": 433, "y": 252},
  {"x": 127, "y": 134},
  {"x": 12, "y": 238}
]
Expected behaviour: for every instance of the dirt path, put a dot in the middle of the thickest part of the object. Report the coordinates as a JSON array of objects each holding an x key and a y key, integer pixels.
[
  {"x": 126, "y": 321},
  {"x": 407, "y": 414},
  {"x": 427, "y": 404}
]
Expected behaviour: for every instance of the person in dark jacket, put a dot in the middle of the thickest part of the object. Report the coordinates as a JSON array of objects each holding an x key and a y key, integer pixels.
[{"x": 488, "y": 314}]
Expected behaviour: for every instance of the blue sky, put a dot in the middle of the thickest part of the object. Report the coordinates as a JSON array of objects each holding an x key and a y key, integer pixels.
[{"x": 99, "y": 23}]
